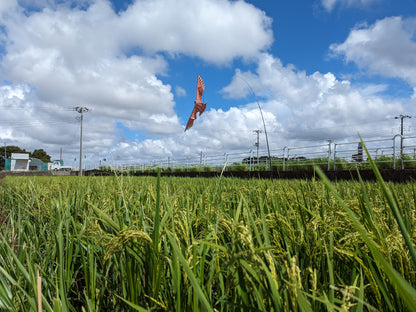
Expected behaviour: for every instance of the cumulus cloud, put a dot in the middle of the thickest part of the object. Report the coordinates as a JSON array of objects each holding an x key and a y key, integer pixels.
[
  {"x": 216, "y": 132},
  {"x": 387, "y": 48},
  {"x": 330, "y": 4},
  {"x": 86, "y": 54},
  {"x": 316, "y": 106},
  {"x": 179, "y": 91},
  {"x": 40, "y": 4},
  {"x": 30, "y": 124},
  {"x": 67, "y": 57},
  {"x": 6, "y": 5},
  {"x": 298, "y": 109},
  {"x": 82, "y": 53},
  {"x": 211, "y": 30}
]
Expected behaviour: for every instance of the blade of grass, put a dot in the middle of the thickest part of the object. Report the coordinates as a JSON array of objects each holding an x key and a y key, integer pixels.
[
  {"x": 393, "y": 206},
  {"x": 405, "y": 290},
  {"x": 273, "y": 287},
  {"x": 133, "y": 305},
  {"x": 330, "y": 260},
  {"x": 39, "y": 290},
  {"x": 197, "y": 288},
  {"x": 219, "y": 180},
  {"x": 156, "y": 233}
]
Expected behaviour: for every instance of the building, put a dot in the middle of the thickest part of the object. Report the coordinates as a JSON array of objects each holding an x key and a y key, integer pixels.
[
  {"x": 19, "y": 162},
  {"x": 37, "y": 164}
]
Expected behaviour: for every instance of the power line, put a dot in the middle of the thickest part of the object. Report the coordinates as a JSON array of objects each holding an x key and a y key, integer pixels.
[
  {"x": 338, "y": 125},
  {"x": 37, "y": 107},
  {"x": 34, "y": 124}
]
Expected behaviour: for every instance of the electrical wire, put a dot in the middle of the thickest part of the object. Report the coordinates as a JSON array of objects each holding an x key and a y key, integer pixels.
[{"x": 23, "y": 124}]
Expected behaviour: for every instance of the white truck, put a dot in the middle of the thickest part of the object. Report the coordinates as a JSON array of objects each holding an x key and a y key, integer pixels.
[{"x": 58, "y": 165}]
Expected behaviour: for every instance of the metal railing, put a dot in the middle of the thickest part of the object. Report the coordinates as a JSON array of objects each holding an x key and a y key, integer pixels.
[{"x": 398, "y": 152}]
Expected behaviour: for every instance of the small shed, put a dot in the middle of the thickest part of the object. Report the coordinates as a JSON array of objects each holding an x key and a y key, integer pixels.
[{"x": 19, "y": 162}]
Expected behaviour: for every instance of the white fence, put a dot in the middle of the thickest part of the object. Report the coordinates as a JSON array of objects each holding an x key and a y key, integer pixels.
[{"x": 397, "y": 152}]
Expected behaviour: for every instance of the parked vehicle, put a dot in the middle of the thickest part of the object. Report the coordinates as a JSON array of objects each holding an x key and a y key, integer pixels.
[{"x": 58, "y": 165}]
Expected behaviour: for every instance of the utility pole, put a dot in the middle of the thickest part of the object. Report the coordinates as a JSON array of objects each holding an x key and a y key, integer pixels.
[
  {"x": 401, "y": 131},
  {"x": 257, "y": 145},
  {"x": 81, "y": 110}
]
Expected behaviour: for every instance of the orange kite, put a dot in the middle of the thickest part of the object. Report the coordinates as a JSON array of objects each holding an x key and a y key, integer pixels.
[{"x": 199, "y": 106}]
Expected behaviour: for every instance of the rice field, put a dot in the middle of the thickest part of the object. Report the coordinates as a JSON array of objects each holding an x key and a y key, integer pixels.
[{"x": 196, "y": 244}]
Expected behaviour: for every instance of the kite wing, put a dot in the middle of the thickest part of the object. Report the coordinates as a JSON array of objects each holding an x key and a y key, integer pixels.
[
  {"x": 200, "y": 86},
  {"x": 191, "y": 119},
  {"x": 199, "y": 106}
]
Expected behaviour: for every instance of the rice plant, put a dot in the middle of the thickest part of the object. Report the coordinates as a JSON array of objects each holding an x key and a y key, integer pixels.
[{"x": 196, "y": 244}]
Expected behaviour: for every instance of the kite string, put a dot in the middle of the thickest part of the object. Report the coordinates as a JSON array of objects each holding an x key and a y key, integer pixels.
[{"x": 262, "y": 118}]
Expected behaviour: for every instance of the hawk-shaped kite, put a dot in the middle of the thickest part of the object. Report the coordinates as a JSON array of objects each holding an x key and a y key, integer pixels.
[{"x": 199, "y": 106}]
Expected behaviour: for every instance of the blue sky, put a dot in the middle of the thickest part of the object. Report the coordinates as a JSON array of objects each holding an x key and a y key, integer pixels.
[{"x": 321, "y": 70}]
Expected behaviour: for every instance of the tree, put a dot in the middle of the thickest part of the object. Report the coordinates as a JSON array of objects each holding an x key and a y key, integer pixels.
[
  {"x": 9, "y": 151},
  {"x": 13, "y": 149},
  {"x": 41, "y": 154}
]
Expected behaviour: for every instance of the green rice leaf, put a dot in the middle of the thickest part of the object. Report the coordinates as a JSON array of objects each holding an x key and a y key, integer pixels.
[
  {"x": 195, "y": 284},
  {"x": 405, "y": 290}
]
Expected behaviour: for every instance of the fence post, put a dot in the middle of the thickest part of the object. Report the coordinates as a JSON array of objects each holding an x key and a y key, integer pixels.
[
  {"x": 329, "y": 153},
  {"x": 284, "y": 157},
  {"x": 287, "y": 163},
  {"x": 394, "y": 150},
  {"x": 251, "y": 161},
  {"x": 335, "y": 152}
]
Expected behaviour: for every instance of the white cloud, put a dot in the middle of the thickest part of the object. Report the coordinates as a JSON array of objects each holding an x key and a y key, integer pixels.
[
  {"x": 65, "y": 56},
  {"x": 62, "y": 56},
  {"x": 82, "y": 53},
  {"x": 298, "y": 109},
  {"x": 330, "y": 4},
  {"x": 317, "y": 106},
  {"x": 32, "y": 125},
  {"x": 210, "y": 29},
  {"x": 179, "y": 91},
  {"x": 387, "y": 48},
  {"x": 213, "y": 133},
  {"x": 6, "y": 5}
]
